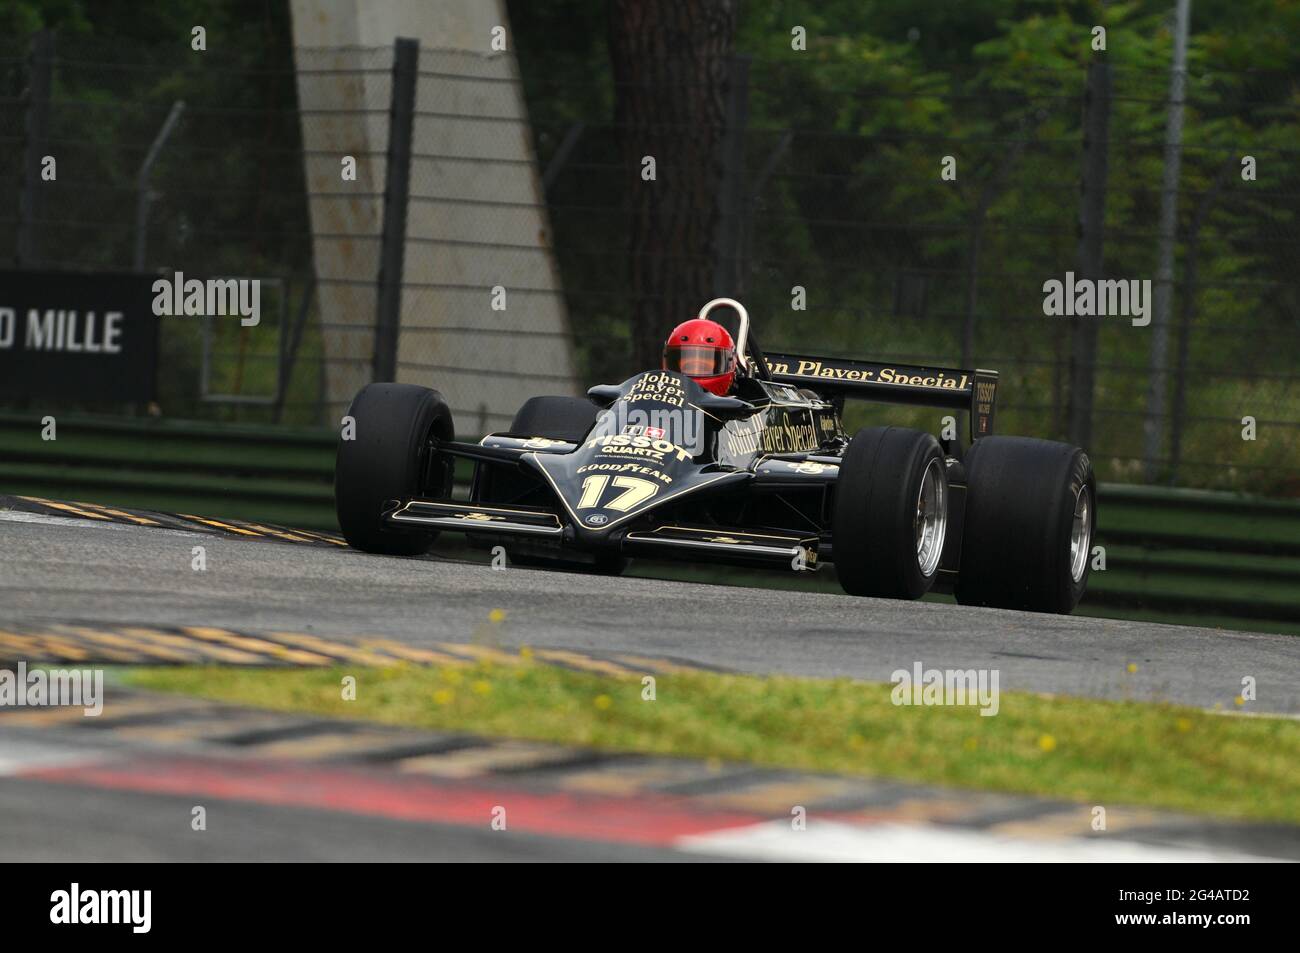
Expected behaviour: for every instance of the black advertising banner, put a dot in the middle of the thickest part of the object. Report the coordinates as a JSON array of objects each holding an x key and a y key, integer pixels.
[{"x": 84, "y": 337}]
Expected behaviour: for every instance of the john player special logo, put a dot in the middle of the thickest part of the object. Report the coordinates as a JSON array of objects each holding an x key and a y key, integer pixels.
[
  {"x": 657, "y": 410},
  {"x": 776, "y": 436},
  {"x": 900, "y": 377}
]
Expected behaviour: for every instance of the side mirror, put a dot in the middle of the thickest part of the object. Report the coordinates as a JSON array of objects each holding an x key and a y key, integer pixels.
[
  {"x": 603, "y": 394},
  {"x": 726, "y": 408}
]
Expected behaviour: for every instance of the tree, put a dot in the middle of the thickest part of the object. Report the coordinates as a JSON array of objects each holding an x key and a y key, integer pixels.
[{"x": 670, "y": 64}]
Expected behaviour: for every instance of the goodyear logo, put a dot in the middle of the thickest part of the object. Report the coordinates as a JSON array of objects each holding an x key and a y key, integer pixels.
[{"x": 634, "y": 468}]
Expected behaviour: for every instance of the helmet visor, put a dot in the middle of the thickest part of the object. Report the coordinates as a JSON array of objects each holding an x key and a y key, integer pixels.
[{"x": 695, "y": 361}]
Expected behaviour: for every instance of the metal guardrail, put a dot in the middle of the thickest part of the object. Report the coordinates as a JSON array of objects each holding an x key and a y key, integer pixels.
[
  {"x": 1175, "y": 554},
  {"x": 260, "y": 473},
  {"x": 1220, "y": 556}
]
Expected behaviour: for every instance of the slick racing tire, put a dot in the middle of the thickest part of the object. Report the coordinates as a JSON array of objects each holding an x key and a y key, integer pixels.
[
  {"x": 556, "y": 418},
  {"x": 1031, "y": 510},
  {"x": 891, "y": 513},
  {"x": 390, "y": 459}
]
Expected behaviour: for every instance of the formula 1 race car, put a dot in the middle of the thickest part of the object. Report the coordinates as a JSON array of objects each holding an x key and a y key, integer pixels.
[{"x": 657, "y": 466}]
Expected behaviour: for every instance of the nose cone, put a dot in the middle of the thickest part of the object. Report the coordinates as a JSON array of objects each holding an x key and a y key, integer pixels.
[
  {"x": 602, "y": 491},
  {"x": 650, "y": 446}
]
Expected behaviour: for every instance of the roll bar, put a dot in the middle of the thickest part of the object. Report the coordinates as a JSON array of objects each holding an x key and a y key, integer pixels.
[{"x": 742, "y": 336}]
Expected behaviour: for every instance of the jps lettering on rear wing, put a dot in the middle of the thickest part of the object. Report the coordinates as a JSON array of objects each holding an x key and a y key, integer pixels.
[{"x": 975, "y": 390}]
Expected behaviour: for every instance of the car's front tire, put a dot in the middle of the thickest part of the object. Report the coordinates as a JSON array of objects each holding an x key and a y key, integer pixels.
[
  {"x": 1031, "y": 511},
  {"x": 389, "y": 459},
  {"x": 557, "y": 418},
  {"x": 891, "y": 513}
]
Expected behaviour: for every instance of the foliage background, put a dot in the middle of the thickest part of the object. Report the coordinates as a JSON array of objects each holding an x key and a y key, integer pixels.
[
  {"x": 851, "y": 131},
  {"x": 856, "y": 212}
]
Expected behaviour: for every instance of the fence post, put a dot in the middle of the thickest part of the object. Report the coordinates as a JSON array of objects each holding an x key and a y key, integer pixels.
[
  {"x": 727, "y": 269},
  {"x": 38, "y": 124},
  {"x": 1188, "y": 311},
  {"x": 1153, "y": 427},
  {"x": 1092, "y": 223},
  {"x": 993, "y": 187},
  {"x": 753, "y": 200},
  {"x": 972, "y": 286},
  {"x": 397, "y": 184},
  {"x": 562, "y": 153},
  {"x": 289, "y": 349},
  {"x": 144, "y": 194}
]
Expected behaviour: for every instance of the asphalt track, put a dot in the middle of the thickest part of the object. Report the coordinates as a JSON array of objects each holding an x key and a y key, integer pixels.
[
  {"x": 126, "y": 802},
  {"x": 44, "y": 823},
  {"x": 78, "y": 571}
]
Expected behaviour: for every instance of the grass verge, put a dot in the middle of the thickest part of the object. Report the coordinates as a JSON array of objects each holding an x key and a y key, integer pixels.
[{"x": 1098, "y": 752}]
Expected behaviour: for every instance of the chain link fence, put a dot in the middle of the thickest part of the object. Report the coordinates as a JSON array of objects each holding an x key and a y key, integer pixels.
[
  {"x": 837, "y": 225},
  {"x": 847, "y": 206},
  {"x": 184, "y": 162}
]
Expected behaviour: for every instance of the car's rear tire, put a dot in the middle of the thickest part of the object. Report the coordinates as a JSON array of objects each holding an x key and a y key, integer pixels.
[
  {"x": 1031, "y": 510},
  {"x": 556, "y": 418},
  {"x": 891, "y": 513},
  {"x": 389, "y": 459}
]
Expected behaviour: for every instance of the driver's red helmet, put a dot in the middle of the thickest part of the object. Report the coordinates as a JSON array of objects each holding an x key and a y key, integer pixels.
[{"x": 703, "y": 350}]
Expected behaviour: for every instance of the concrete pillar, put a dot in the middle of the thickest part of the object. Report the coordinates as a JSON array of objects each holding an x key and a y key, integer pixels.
[{"x": 476, "y": 217}]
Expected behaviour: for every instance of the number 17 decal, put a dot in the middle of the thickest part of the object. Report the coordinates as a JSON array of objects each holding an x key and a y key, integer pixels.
[{"x": 635, "y": 492}]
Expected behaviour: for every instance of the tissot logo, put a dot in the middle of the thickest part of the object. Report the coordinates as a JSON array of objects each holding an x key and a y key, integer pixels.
[
  {"x": 678, "y": 424},
  {"x": 99, "y": 907}
]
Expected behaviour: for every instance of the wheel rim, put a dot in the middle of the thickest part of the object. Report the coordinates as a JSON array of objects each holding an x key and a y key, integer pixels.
[
  {"x": 435, "y": 472},
  {"x": 931, "y": 523},
  {"x": 1080, "y": 534}
]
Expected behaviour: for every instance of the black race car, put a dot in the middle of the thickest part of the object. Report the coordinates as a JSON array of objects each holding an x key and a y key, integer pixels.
[{"x": 659, "y": 467}]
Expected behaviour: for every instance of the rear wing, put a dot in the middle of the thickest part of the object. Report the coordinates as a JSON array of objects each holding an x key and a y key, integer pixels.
[{"x": 895, "y": 383}]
